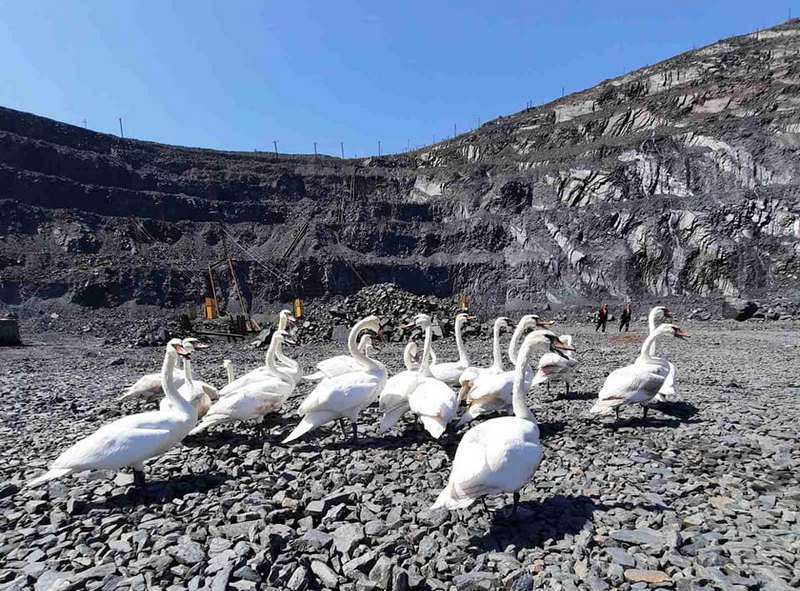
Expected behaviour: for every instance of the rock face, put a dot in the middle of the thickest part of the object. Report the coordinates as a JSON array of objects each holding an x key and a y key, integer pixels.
[
  {"x": 738, "y": 309},
  {"x": 678, "y": 179}
]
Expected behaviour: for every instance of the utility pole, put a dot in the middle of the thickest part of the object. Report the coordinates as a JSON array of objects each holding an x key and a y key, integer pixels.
[
  {"x": 562, "y": 91},
  {"x": 408, "y": 145},
  {"x": 122, "y": 135},
  {"x": 275, "y": 145},
  {"x": 341, "y": 145},
  {"x": 455, "y": 132},
  {"x": 315, "y": 149},
  {"x": 379, "y": 147},
  {"x": 84, "y": 123}
]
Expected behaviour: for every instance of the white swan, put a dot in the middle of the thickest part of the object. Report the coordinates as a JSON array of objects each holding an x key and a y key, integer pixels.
[
  {"x": 340, "y": 364},
  {"x": 495, "y": 393},
  {"x": 449, "y": 372},
  {"x": 252, "y": 400},
  {"x": 502, "y": 454},
  {"x": 227, "y": 364},
  {"x": 192, "y": 391},
  {"x": 433, "y": 401},
  {"x": 344, "y": 395},
  {"x": 131, "y": 440},
  {"x": 554, "y": 367},
  {"x": 149, "y": 385},
  {"x": 638, "y": 382},
  {"x": 668, "y": 388},
  {"x": 471, "y": 373},
  {"x": 393, "y": 399},
  {"x": 269, "y": 377}
]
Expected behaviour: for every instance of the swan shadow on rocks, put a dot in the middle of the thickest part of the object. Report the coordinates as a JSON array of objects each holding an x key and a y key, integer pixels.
[
  {"x": 575, "y": 395},
  {"x": 547, "y": 430},
  {"x": 163, "y": 491},
  {"x": 649, "y": 423},
  {"x": 553, "y": 518},
  {"x": 678, "y": 409},
  {"x": 218, "y": 439}
]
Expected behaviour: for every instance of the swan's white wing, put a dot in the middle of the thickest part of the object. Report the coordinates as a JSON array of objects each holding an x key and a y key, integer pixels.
[
  {"x": 397, "y": 389},
  {"x": 342, "y": 393},
  {"x": 122, "y": 443},
  {"x": 264, "y": 381},
  {"x": 448, "y": 372},
  {"x": 246, "y": 404},
  {"x": 434, "y": 399},
  {"x": 338, "y": 365},
  {"x": 629, "y": 383},
  {"x": 488, "y": 384}
]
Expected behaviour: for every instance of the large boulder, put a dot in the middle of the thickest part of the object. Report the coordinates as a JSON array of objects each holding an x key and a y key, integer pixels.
[{"x": 738, "y": 309}]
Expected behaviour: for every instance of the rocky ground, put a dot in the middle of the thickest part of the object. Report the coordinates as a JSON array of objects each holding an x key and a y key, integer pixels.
[{"x": 704, "y": 495}]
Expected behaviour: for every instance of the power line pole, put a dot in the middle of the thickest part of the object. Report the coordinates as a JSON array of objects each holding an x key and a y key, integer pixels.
[
  {"x": 275, "y": 145},
  {"x": 122, "y": 135},
  {"x": 455, "y": 133},
  {"x": 315, "y": 149},
  {"x": 379, "y": 147},
  {"x": 84, "y": 124},
  {"x": 341, "y": 145}
]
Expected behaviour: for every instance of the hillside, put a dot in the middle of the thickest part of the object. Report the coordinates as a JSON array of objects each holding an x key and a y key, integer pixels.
[{"x": 679, "y": 179}]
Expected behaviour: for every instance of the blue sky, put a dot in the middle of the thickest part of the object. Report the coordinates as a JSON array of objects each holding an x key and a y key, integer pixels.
[{"x": 240, "y": 74}]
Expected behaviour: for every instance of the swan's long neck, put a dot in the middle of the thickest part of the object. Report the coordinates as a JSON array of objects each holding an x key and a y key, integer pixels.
[
  {"x": 229, "y": 371},
  {"x": 168, "y": 384},
  {"x": 463, "y": 358},
  {"x": 272, "y": 366},
  {"x": 521, "y": 385},
  {"x": 515, "y": 336},
  {"x": 352, "y": 346},
  {"x": 651, "y": 323},
  {"x": 408, "y": 358},
  {"x": 649, "y": 347},
  {"x": 427, "y": 350},
  {"x": 498, "y": 356}
]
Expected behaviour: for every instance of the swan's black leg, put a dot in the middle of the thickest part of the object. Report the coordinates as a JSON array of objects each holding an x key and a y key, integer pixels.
[
  {"x": 138, "y": 478},
  {"x": 566, "y": 387},
  {"x": 616, "y": 413},
  {"x": 485, "y": 508},
  {"x": 344, "y": 430},
  {"x": 644, "y": 412},
  {"x": 355, "y": 430}
]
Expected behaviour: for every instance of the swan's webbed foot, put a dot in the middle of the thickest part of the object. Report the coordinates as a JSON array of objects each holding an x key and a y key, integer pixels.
[{"x": 138, "y": 478}]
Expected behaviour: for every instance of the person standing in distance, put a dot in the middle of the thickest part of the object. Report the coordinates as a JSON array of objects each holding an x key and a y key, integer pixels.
[
  {"x": 602, "y": 317},
  {"x": 625, "y": 319}
]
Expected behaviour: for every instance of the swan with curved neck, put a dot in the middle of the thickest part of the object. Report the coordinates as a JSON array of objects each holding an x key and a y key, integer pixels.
[
  {"x": 346, "y": 395},
  {"x": 433, "y": 401},
  {"x": 132, "y": 440},
  {"x": 494, "y": 393},
  {"x": 526, "y": 322},
  {"x": 450, "y": 372},
  {"x": 251, "y": 400},
  {"x": 340, "y": 364},
  {"x": 194, "y": 392},
  {"x": 639, "y": 382},
  {"x": 554, "y": 367},
  {"x": 471, "y": 373},
  {"x": 502, "y": 454},
  {"x": 271, "y": 376},
  {"x": 668, "y": 388}
]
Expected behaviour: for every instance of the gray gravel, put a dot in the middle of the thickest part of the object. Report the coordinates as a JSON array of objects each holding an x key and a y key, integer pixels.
[{"x": 703, "y": 496}]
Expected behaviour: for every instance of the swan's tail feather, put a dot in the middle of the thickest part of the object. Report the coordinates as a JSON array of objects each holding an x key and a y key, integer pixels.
[
  {"x": 208, "y": 422},
  {"x": 433, "y": 425},
  {"x": 302, "y": 428},
  {"x": 604, "y": 407},
  {"x": 449, "y": 501},
  {"x": 49, "y": 475},
  {"x": 314, "y": 377},
  {"x": 391, "y": 418}
]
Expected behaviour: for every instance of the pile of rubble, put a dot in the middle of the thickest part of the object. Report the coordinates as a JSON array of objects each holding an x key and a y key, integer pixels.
[{"x": 394, "y": 306}]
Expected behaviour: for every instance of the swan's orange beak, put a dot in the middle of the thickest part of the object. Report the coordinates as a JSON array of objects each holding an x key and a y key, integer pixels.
[
  {"x": 200, "y": 345},
  {"x": 408, "y": 326},
  {"x": 559, "y": 344},
  {"x": 180, "y": 350},
  {"x": 544, "y": 323},
  {"x": 681, "y": 334},
  {"x": 289, "y": 341},
  {"x": 465, "y": 388}
]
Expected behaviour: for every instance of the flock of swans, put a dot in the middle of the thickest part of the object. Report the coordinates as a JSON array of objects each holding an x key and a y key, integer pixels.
[{"x": 496, "y": 456}]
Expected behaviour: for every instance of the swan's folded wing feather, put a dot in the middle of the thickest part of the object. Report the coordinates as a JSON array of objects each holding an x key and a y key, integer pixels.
[
  {"x": 432, "y": 398},
  {"x": 338, "y": 365},
  {"x": 492, "y": 385},
  {"x": 341, "y": 392},
  {"x": 112, "y": 446},
  {"x": 628, "y": 380}
]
